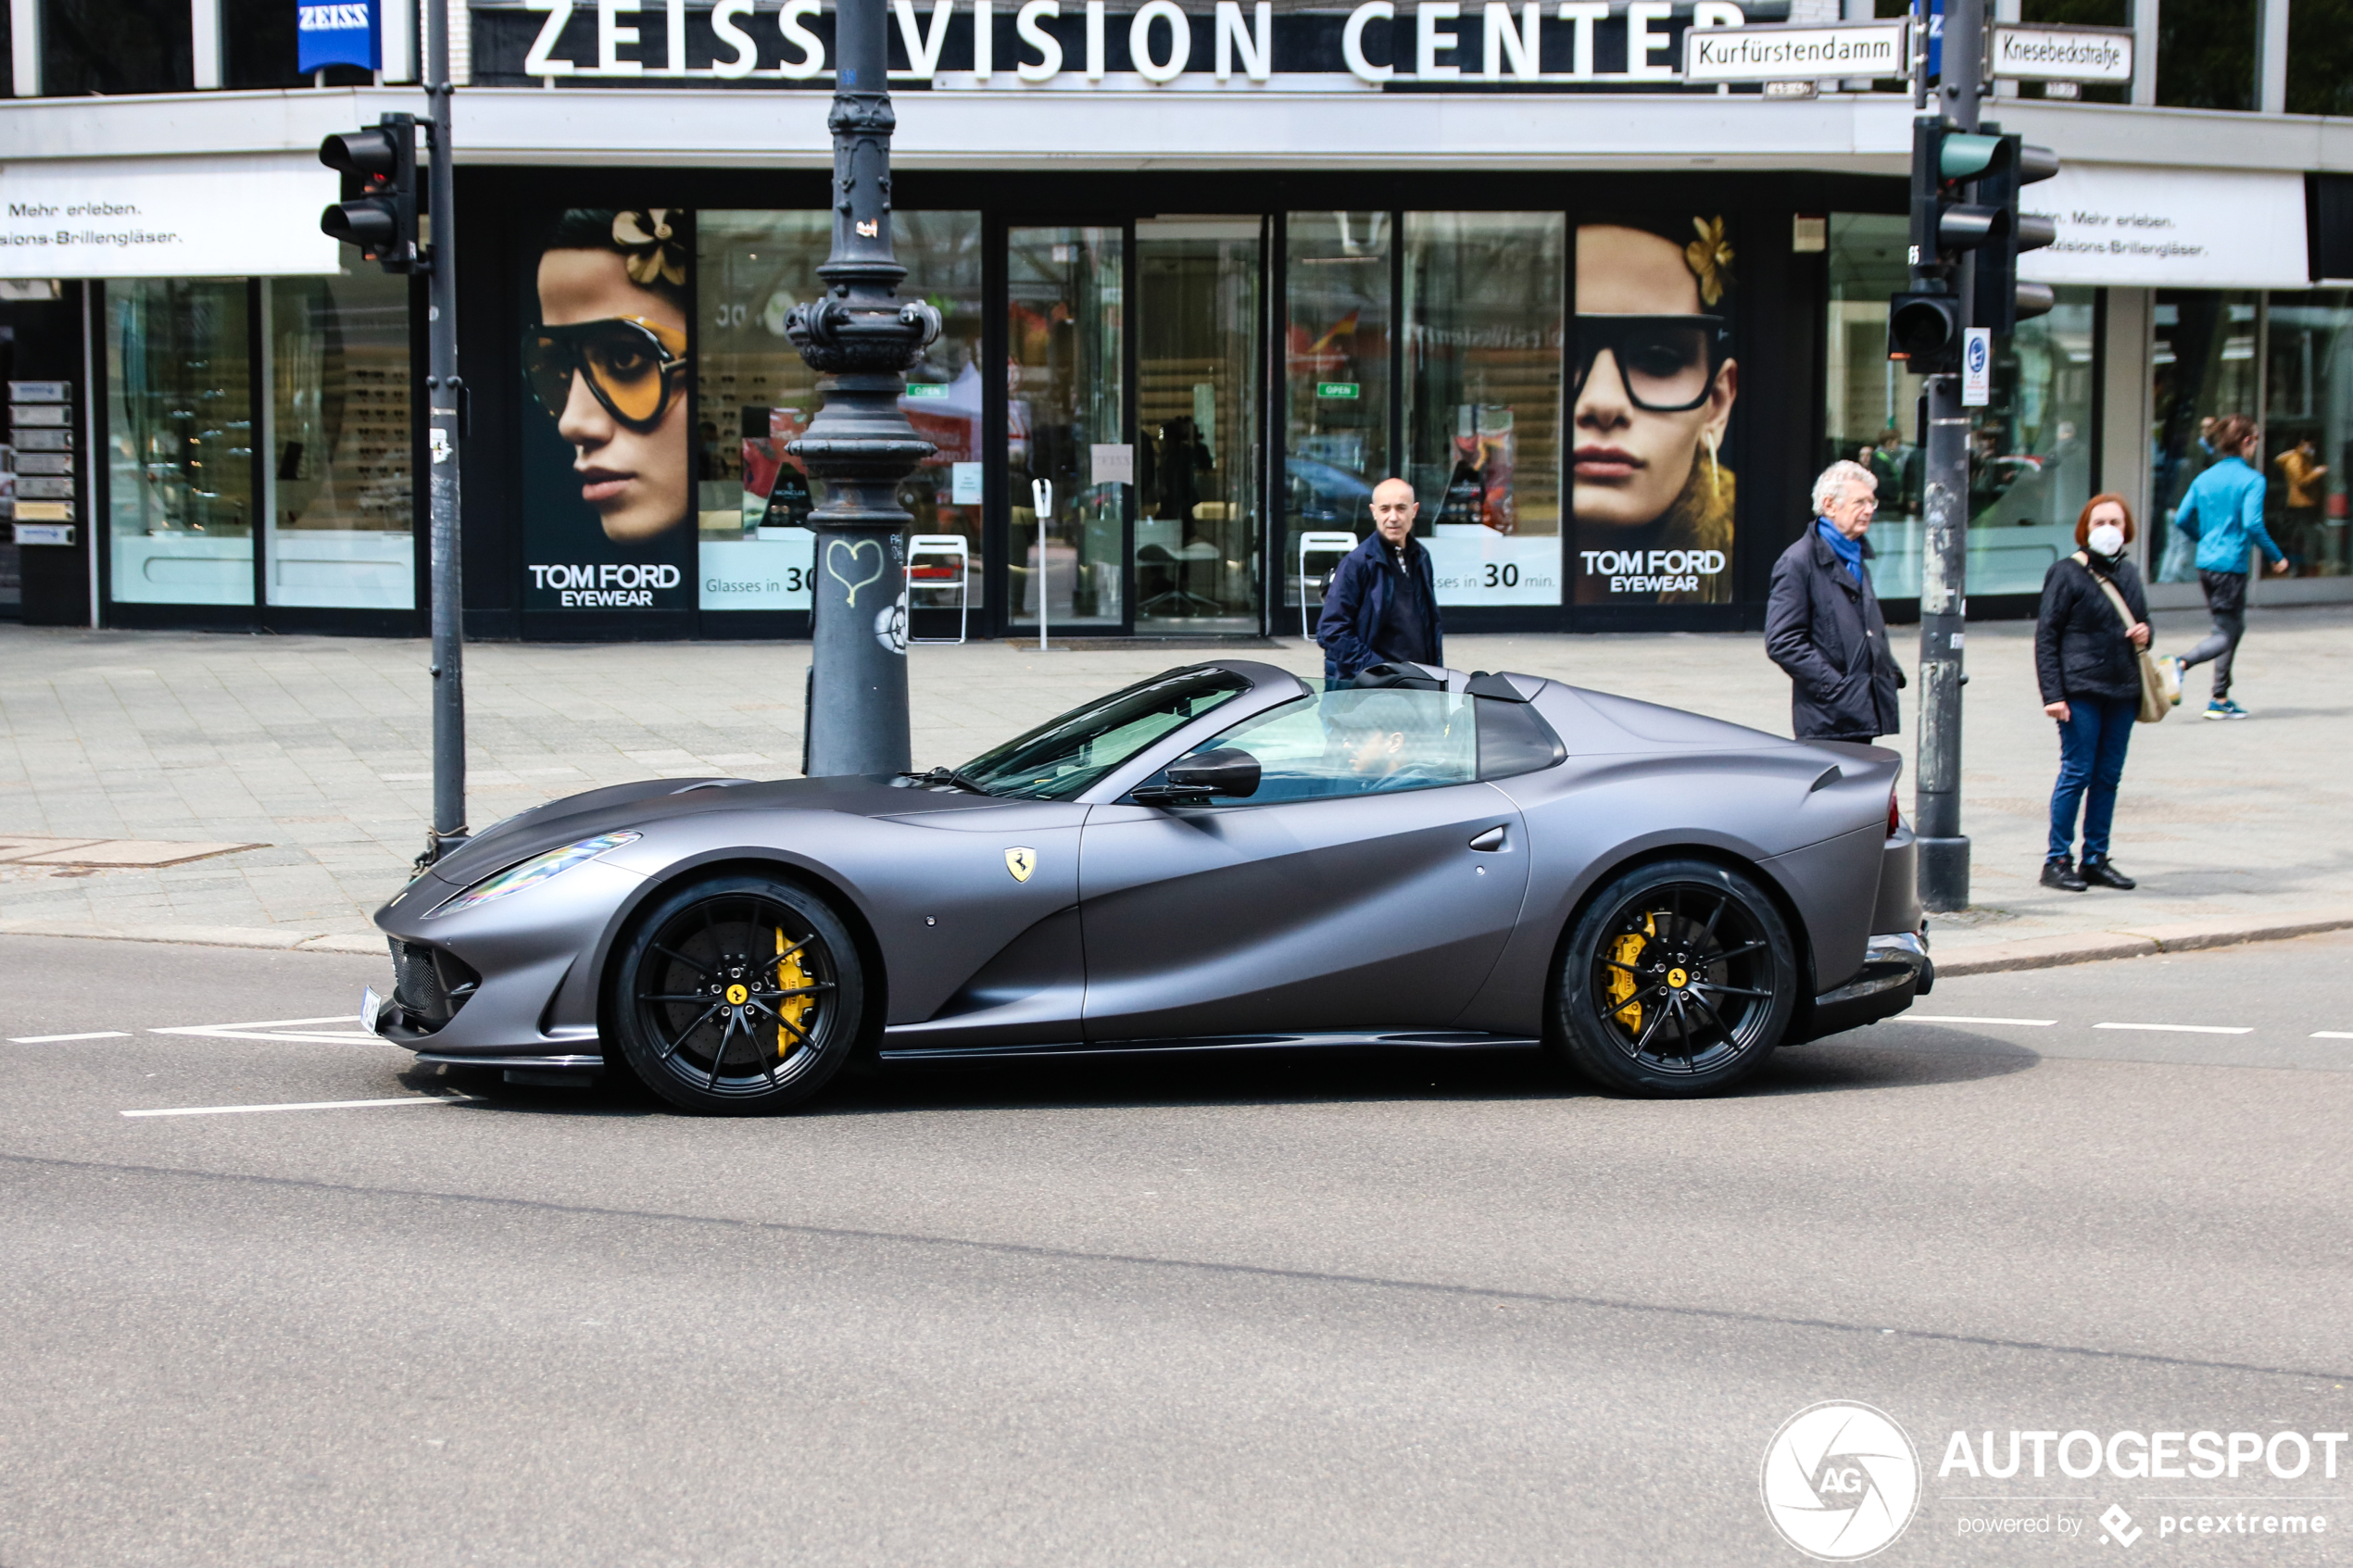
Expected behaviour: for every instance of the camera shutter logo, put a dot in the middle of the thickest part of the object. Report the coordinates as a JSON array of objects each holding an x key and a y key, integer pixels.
[{"x": 1841, "y": 1481}]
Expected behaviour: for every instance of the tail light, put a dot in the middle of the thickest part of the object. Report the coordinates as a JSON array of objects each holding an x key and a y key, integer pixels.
[{"x": 1894, "y": 818}]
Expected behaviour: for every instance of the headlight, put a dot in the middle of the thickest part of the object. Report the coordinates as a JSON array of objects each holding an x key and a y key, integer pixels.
[{"x": 533, "y": 872}]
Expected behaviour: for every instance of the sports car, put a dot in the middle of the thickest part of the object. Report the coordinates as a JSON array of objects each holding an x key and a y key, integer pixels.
[{"x": 1223, "y": 856}]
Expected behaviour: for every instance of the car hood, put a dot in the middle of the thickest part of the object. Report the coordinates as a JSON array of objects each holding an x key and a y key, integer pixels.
[{"x": 617, "y": 807}]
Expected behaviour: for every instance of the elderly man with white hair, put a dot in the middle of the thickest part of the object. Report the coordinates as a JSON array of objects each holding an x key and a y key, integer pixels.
[{"x": 1822, "y": 620}]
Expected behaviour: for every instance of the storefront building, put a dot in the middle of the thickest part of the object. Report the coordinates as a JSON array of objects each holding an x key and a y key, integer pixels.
[{"x": 1207, "y": 272}]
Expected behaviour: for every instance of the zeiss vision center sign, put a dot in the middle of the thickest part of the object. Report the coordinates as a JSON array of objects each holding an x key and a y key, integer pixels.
[{"x": 336, "y": 32}]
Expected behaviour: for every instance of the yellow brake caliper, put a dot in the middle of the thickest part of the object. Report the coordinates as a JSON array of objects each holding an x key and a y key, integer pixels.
[
  {"x": 1624, "y": 954},
  {"x": 791, "y": 975}
]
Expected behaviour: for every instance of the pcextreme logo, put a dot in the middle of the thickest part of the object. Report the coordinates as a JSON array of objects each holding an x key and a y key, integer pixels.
[{"x": 1841, "y": 1481}]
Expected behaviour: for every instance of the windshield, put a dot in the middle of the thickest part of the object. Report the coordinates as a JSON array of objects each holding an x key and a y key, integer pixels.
[{"x": 1065, "y": 755}]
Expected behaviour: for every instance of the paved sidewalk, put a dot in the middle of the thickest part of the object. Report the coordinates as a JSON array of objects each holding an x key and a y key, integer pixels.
[{"x": 320, "y": 749}]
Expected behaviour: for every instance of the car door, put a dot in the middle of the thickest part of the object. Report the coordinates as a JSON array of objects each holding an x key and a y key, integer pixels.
[{"x": 1368, "y": 885}]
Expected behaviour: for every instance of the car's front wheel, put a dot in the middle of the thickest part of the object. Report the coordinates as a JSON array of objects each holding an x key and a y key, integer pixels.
[
  {"x": 738, "y": 995},
  {"x": 1679, "y": 979}
]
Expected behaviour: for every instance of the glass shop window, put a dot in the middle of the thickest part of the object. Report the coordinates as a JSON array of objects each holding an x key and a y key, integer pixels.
[
  {"x": 2319, "y": 58},
  {"x": 2206, "y": 54},
  {"x": 342, "y": 523},
  {"x": 2032, "y": 470},
  {"x": 2308, "y": 427},
  {"x": 116, "y": 47},
  {"x": 1335, "y": 343},
  {"x": 1484, "y": 297},
  {"x": 2032, "y": 463},
  {"x": 757, "y": 397},
  {"x": 1871, "y": 403},
  {"x": 2202, "y": 366},
  {"x": 180, "y": 441}
]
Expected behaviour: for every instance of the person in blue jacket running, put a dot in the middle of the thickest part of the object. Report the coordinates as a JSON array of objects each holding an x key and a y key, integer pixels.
[{"x": 2223, "y": 512}]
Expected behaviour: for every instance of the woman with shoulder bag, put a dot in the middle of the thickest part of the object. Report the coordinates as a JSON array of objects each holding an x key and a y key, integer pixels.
[{"x": 2088, "y": 641}]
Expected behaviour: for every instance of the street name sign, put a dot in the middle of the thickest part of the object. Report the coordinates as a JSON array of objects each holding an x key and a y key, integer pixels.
[
  {"x": 2022, "y": 53},
  {"x": 1797, "y": 52}
]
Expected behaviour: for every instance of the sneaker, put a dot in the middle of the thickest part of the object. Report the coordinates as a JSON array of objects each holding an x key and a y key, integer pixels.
[
  {"x": 2225, "y": 709},
  {"x": 2060, "y": 872},
  {"x": 2101, "y": 873}
]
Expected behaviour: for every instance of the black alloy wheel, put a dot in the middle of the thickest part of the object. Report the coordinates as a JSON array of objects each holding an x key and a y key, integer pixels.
[
  {"x": 1678, "y": 980},
  {"x": 738, "y": 995}
]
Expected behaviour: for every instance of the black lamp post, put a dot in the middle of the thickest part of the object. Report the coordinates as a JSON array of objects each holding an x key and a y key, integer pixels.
[{"x": 860, "y": 338}]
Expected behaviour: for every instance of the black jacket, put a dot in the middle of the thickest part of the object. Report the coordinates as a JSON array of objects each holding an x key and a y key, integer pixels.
[
  {"x": 1349, "y": 628},
  {"x": 1824, "y": 629},
  {"x": 2079, "y": 647}
]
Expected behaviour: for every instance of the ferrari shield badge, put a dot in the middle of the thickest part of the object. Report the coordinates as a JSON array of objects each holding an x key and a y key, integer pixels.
[{"x": 1020, "y": 863}]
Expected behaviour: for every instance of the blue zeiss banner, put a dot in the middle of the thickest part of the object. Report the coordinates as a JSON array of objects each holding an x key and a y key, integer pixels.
[{"x": 336, "y": 32}]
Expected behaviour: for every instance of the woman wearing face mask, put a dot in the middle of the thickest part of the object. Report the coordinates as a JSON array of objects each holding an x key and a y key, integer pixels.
[
  {"x": 2087, "y": 656},
  {"x": 1655, "y": 383},
  {"x": 607, "y": 362}
]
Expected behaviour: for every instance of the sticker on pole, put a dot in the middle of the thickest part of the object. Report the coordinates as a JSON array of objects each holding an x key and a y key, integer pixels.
[{"x": 1977, "y": 366}]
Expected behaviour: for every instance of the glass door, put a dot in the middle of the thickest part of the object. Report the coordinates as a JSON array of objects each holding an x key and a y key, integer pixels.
[
  {"x": 1066, "y": 424},
  {"x": 1197, "y": 530}
]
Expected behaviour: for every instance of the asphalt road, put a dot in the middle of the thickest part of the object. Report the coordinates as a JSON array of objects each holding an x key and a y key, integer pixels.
[{"x": 1344, "y": 1310}]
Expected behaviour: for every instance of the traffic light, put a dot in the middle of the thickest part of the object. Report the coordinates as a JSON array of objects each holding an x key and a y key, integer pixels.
[
  {"x": 1950, "y": 220},
  {"x": 2000, "y": 301},
  {"x": 1924, "y": 329},
  {"x": 382, "y": 219}
]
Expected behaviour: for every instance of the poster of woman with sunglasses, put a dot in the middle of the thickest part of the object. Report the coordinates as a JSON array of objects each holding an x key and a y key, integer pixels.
[
  {"x": 607, "y": 465},
  {"x": 1655, "y": 383}
]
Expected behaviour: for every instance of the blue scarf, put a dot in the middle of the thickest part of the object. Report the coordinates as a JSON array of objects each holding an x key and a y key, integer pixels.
[{"x": 1849, "y": 550}]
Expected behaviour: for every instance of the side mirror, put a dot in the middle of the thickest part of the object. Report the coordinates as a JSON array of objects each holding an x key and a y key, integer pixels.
[{"x": 1227, "y": 771}]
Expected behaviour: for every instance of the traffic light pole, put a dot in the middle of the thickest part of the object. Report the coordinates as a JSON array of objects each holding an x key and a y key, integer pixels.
[
  {"x": 1943, "y": 850},
  {"x": 860, "y": 338},
  {"x": 446, "y": 399}
]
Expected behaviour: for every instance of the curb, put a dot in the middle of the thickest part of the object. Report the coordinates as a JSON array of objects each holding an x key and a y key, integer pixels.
[
  {"x": 2051, "y": 952},
  {"x": 264, "y": 936}
]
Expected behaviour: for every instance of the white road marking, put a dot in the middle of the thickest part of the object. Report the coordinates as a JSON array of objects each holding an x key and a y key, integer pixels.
[
  {"x": 2332, "y": 1035},
  {"x": 2180, "y": 1028},
  {"x": 1971, "y": 1018},
  {"x": 256, "y": 1024},
  {"x": 282, "y": 1030},
  {"x": 306, "y": 1105},
  {"x": 54, "y": 1039}
]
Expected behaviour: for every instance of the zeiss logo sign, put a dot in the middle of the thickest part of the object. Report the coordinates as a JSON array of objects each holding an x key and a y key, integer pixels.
[
  {"x": 334, "y": 19},
  {"x": 341, "y": 33}
]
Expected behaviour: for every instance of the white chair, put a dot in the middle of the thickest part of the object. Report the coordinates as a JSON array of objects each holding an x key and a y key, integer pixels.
[
  {"x": 949, "y": 565},
  {"x": 1316, "y": 543}
]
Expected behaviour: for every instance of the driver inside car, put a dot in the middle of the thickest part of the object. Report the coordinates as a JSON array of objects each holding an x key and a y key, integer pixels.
[{"x": 1391, "y": 741}]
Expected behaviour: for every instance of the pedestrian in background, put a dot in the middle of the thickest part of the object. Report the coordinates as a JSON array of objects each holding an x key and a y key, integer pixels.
[
  {"x": 2223, "y": 512},
  {"x": 2301, "y": 465},
  {"x": 1382, "y": 607},
  {"x": 2087, "y": 656},
  {"x": 1822, "y": 620}
]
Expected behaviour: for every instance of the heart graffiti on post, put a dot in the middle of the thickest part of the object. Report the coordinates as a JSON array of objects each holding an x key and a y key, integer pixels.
[{"x": 853, "y": 552}]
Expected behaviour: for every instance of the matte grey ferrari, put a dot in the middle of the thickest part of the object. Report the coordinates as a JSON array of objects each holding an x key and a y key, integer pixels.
[{"x": 1225, "y": 856}]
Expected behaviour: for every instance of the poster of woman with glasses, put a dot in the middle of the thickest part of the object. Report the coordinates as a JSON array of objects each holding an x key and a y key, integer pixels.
[
  {"x": 607, "y": 452},
  {"x": 1655, "y": 383}
]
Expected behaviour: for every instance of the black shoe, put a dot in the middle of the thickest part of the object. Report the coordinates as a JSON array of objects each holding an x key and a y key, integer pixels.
[
  {"x": 2060, "y": 872},
  {"x": 2107, "y": 875}
]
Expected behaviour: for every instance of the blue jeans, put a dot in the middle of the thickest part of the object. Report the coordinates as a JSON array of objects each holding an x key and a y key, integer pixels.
[{"x": 2092, "y": 746}]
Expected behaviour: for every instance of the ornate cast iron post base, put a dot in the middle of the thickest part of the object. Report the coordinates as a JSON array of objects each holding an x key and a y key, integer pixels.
[{"x": 860, "y": 338}]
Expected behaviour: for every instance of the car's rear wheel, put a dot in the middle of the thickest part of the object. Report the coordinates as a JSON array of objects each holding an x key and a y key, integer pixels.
[
  {"x": 738, "y": 995},
  {"x": 1679, "y": 979}
]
